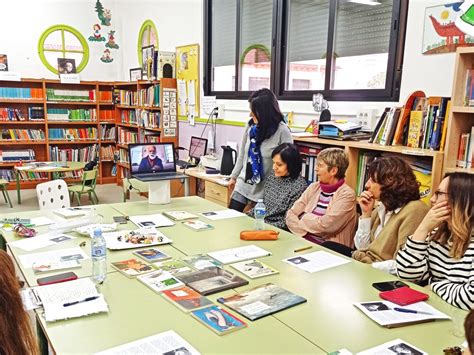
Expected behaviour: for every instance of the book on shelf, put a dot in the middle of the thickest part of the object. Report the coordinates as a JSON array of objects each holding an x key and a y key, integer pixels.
[
  {"x": 105, "y": 96},
  {"x": 201, "y": 261},
  {"x": 84, "y": 154},
  {"x": 22, "y": 134},
  {"x": 465, "y": 156},
  {"x": 212, "y": 280},
  {"x": 179, "y": 215},
  {"x": 262, "y": 301},
  {"x": 107, "y": 152},
  {"x": 89, "y": 133},
  {"x": 414, "y": 132},
  {"x": 254, "y": 269},
  {"x": 107, "y": 133},
  {"x": 11, "y": 114},
  {"x": 126, "y": 136},
  {"x": 174, "y": 267},
  {"x": 152, "y": 255},
  {"x": 21, "y": 93},
  {"x": 132, "y": 267},
  {"x": 70, "y": 95},
  {"x": 149, "y": 96},
  {"x": 148, "y": 119},
  {"x": 106, "y": 115},
  {"x": 24, "y": 155},
  {"x": 129, "y": 117},
  {"x": 197, "y": 225},
  {"x": 36, "y": 113},
  {"x": 469, "y": 89},
  {"x": 218, "y": 319},
  {"x": 186, "y": 298},
  {"x": 127, "y": 97},
  {"x": 73, "y": 115},
  {"x": 160, "y": 281}
]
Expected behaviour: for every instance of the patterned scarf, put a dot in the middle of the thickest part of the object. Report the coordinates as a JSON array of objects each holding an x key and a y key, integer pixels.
[{"x": 255, "y": 158}]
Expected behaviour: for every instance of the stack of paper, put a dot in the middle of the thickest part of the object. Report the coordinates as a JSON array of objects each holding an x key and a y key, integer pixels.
[{"x": 234, "y": 255}]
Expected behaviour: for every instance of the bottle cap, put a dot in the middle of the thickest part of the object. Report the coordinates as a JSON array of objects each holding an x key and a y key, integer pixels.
[
  {"x": 260, "y": 200},
  {"x": 97, "y": 232}
]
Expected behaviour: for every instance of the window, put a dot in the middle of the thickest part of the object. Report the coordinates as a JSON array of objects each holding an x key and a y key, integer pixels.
[
  {"x": 147, "y": 36},
  {"x": 345, "y": 49},
  {"x": 63, "y": 41}
]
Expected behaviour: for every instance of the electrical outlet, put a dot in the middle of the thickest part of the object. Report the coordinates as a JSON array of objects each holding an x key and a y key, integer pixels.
[{"x": 220, "y": 111}]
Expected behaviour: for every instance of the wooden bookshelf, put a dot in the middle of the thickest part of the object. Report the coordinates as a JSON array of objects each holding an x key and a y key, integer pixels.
[{"x": 461, "y": 117}]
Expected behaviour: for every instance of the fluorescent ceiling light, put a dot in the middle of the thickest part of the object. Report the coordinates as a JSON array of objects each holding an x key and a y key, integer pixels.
[{"x": 365, "y": 2}]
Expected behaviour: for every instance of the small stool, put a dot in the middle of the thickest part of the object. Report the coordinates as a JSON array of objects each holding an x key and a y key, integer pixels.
[{"x": 4, "y": 188}]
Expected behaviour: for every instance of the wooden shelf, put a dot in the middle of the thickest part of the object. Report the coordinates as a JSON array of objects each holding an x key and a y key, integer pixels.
[
  {"x": 73, "y": 142},
  {"x": 107, "y": 141},
  {"x": 459, "y": 170},
  {"x": 21, "y": 101},
  {"x": 79, "y": 103},
  {"x": 22, "y": 142},
  {"x": 150, "y": 108},
  {"x": 151, "y": 129},
  {"x": 125, "y": 83},
  {"x": 124, "y": 165},
  {"x": 462, "y": 109},
  {"x": 148, "y": 82},
  {"x": 22, "y": 122},
  {"x": 126, "y": 107},
  {"x": 123, "y": 146},
  {"x": 77, "y": 123},
  {"x": 106, "y": 160},
  {"x": 103, "y": 103},
  {"x": 107, "y": 122},
  {"x": 127, "y": 125}
]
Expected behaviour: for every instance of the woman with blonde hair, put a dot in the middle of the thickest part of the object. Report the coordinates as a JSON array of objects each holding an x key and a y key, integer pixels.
[
  {"x": 16, "y": 335},
  {"x": 441, "y": 250}
]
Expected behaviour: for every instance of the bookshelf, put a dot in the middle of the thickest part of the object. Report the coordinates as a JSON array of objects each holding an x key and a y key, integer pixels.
[{"x": 461, "y": 118}]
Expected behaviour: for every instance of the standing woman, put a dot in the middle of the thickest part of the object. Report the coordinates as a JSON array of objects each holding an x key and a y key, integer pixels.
[
  {"x": 265, "y": 131},
  {"x": 441, "y": 251},
  {"x": 16, "y": 335}
]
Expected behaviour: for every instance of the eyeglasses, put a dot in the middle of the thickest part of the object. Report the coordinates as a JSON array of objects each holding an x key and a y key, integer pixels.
[{"x": 437, "y": 193}]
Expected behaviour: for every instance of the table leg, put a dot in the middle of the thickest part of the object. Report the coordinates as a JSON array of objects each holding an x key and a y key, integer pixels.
[
  {"x": 42, "y": 340},
  {"x": 186, "y": 187},
  {"x": 18, "y": 197}
]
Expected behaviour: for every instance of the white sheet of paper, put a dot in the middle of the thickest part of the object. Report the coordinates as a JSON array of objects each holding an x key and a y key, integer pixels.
[
  {"x": 233, "y": 255},
  {"x": 224, "y": 214},
  {"x": 191, "y": 93},
  {"x": 28, "y": 299},
  {"x": 41, "y": 221},
  {"x": 166, "y": 342},
  {"x": 397, "y": 346},
  {"x": 38, "y": 242},
  {"x": 52, "y": 256},
  {"x": 151, "y": 220},
  {"x": 182, "y": 96},
  {"x": 208, "y": 103},
  {"x": 316, "y": 261}
]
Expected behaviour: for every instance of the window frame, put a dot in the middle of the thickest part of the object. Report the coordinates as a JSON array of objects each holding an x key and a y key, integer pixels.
[
  {"x": 279, "y": 44},
  {"x": 147, "y": 23}
]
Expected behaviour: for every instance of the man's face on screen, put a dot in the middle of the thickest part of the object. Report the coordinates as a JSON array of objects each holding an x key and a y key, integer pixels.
[{"x": 151, "y": 152}]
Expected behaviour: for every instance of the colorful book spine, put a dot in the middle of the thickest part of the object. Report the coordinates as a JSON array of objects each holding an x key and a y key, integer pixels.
[
  {"x": 70, "y": 95},
  {"x": 21, "y": 93},
  {"x": 89, "y": 133}
]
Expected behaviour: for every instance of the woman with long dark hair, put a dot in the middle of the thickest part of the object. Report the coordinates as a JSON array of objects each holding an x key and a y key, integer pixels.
[
  {"x": 441, "y": 250},
  {"x": 265, "y": 131},
  {"x": 16, "y": 335}
]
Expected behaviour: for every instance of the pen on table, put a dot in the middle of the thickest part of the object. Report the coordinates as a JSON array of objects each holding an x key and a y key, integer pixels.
[
  {"x": 81, "y": 301},
  {"x": 302, "y": 249},
  {"x": 406, "y": 310}
]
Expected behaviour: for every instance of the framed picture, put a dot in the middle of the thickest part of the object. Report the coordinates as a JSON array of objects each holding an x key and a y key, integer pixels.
[
  {"x": 66, "y": 66},
  {"x": 135, "y": 74},
  {"x": 3, "y": 62},
  {"x": 147, "y": 60}
]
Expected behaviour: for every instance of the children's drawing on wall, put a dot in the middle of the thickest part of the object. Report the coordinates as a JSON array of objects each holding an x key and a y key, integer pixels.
[
  {"x": 441, "y": 32},
  {"x": 465, "y": 20},
  {"x": 184, "y": 61},
  {"x": 105, "y": 16},
  {"x": 111, "y": 42},
  {"x": 106, "y": 57},
  {"x": 97, "y": 36}
]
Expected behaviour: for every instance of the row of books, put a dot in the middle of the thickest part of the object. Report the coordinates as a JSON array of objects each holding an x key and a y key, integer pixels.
[
  {"x": 149, "y": 119},
  {"x": 70, "y": 95},
  {"x": 309, "y": 155},
  {"x": 469, "y": 92},
  {"x": 129, "y": 117},
  {"x": 17, "y": 155},
  {"x": 107, "y": 152},
  {"x": 123, "y": 156},
  {"x": 21, "y": 93},
  {"x": 107, "y": 133},
  {"x": 11, "y": 114},
  {"x": 9, "y": 175},
  {"x": 105, "y": 96},
  {"x": 73, "y": 133},
  {"x": 126, "y": 136},
  {"x": 36, "y": 113},
  {"x": 149, "y": 96},
  {"x": 107, "y": 115},
  {"x": 65, "y": 114},
  {"x": 126, "y": 97},
  {"x": 84, "y": 154},
  {"x": 22, "y": 134},
  {"x": 465, "y": 158}
]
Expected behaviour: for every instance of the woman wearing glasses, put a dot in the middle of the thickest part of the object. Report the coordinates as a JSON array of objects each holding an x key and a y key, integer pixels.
[{"x": 441, "y": 250}]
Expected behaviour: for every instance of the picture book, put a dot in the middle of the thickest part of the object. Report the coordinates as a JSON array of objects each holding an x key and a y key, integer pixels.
[
  {"x": 132, "y": 267},
  {"x": 397, "y": 346},
  {"x": 391, "y": 315},
  {"x": 160, "y": 281},
  {"x": 261, "y": 301},
  {"x": 201, "y": 261},
  {"x": 254, "y": 269},
  {"x": 139, "y": 238},
  {"x": 179, "y": 215},
  {"x": 316, "y": 261},
  {"x": 152, "y": 220},
  {"x": 70, "y": 212},
  {"x": 212, "y": 280},
  {"x": 218, "y": 319},
  {"x": 414, "y": 131},
  {"x": 174, "y": 267},
  {"x": 234, "y": 255},
  {"x": 152, "y": 255},
  {"x": 186, "y": 298},
  {"x": 198, "y": 225}
]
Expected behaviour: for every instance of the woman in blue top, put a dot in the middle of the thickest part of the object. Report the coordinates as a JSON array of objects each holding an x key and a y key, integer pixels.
[{"x": 265, "y": 131}]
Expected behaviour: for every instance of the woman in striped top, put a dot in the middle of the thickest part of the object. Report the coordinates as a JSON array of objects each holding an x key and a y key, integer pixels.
[{"x": 441, "y": 251}]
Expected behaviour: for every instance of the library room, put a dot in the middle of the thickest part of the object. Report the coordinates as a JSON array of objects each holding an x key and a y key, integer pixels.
[{"x": 237, "y": 177}]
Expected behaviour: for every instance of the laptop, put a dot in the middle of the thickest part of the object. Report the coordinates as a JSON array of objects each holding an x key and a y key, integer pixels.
[
  {"x": 153, "y": 161},
  {"x": 197, "y": 148}
]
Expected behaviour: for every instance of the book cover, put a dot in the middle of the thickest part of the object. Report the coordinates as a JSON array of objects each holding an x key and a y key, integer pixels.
[
  {"x": 186, "y": 298},
  {"x": 212, "y": 280},
  {"x": 160, "y": 281},
  {"x": 218, "y": 319},
  {"x": 132, "y": 267},
  {"x": 152, "y": 255},
  {"x": 55, "y": 265},
  {"x": 198, "y": 225},
  {"x": 414, "y": 131},
  {"x": 254, "y": 269},
  {"x": 174, "y": 267},
  {"x": 70, "y": 212},
  {"x": 179, "y": 215},
  {"x": 129, "y": 239},
  {"x": 201, "y": 261},
  {"x": 262, "y": 301},
  {"x": 229, "y": 256}
]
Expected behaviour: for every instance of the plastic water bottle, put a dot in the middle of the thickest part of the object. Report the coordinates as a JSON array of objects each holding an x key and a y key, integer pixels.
[
  {"x": 99, "y": 257},
  {"x": 260, "y": 212}
]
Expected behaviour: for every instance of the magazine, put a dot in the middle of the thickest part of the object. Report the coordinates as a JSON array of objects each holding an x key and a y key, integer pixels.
[
  {"x": 254, "y": 269},
  {"x": 201, "y": 261},
  {"x": 160, "y": 281},
  {"x": 218, "y": 319},
  {"x": 174, "y": 266},
  {"x": 186, "y": 298},
  {"x": 233, "y": 255},
  {"x": 198, "y": 225},
  {"x": 152, "y": 255},
  {"x": 179, "y": 215},
  {"x": 397, "y": 346},
  {"x": 212, "y": 280},
  {"x": 132, "y": 267},
  {"x": 261, "y": 301}
]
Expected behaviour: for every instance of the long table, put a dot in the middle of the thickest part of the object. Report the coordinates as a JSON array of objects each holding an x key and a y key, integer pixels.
[{"x": 327, "y": 322}]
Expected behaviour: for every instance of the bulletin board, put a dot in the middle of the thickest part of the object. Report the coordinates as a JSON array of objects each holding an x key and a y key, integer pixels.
[{"x": 187, "y": 77}]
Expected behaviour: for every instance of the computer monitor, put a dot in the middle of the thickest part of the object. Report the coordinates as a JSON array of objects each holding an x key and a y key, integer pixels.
[
  {"x": 197, "y": 148},
  {"x": 151, "y": 157}
]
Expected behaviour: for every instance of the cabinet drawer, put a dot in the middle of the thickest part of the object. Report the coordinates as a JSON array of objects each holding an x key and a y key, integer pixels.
[{"x": 216, "y": 192}]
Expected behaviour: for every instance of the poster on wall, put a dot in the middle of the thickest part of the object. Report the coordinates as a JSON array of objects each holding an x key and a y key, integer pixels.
[
  {"x": 187, "y": 75},
  {"x": 441, "y": 34},
  {"x": 3, "y": 62}
]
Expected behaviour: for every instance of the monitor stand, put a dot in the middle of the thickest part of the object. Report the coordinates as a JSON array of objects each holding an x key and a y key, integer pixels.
[{"x": 159, "y": 192}]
